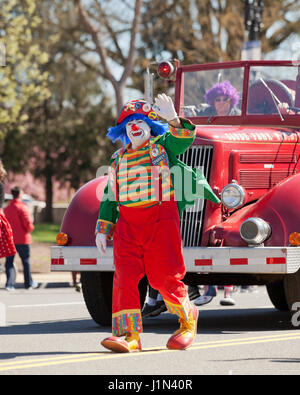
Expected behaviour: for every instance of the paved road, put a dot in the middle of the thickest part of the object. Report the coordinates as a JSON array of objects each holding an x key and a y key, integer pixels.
[{"x": 49, "y": 331}]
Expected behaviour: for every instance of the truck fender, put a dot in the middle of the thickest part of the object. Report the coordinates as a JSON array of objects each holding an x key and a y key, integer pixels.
[
  {"x": 80, "y": 219},
  {"x": 279, "y": 207}
]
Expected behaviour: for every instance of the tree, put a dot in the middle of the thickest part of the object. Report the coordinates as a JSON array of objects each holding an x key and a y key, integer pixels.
[
  {"x": 193, "y": 31},
  {"x": 199, "y": 31},
  {"x": 65, "y": 137},
  {"x": 281, "y": 20},
  {"x": 107, "y": 28},
  {"x": 22, "y": 83}
]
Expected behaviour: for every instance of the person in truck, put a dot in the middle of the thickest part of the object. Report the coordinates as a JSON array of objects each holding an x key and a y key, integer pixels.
[
  {"x": 141, "y": 212},
  {"x": 222, "y": 99}
]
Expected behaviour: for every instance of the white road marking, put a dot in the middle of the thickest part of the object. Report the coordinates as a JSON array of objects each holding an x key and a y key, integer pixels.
[{"x": 21, "y": 306}]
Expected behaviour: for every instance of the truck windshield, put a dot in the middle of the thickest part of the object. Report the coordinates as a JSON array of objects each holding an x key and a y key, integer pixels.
[
  {"x": 218, "y": 92},
  {"x": 271, "y": 89},
  {"x": 213, "y": 92}
]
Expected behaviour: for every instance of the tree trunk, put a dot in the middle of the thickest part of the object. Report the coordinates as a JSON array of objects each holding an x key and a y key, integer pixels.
[
  {"x": 48, "y": 214},
  {"x": 119, "y": 91}
]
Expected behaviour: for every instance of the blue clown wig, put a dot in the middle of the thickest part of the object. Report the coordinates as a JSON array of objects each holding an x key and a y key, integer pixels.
[{"x": 119, "y": 132}]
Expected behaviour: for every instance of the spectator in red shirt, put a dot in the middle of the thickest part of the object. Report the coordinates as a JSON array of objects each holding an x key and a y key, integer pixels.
[{"x": 18, "y": 216}]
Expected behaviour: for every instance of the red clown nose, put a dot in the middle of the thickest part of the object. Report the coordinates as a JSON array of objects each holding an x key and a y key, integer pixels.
[{"x": 134, "y": 127}]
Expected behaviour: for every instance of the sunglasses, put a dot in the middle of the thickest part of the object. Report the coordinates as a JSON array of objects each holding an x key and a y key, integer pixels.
[{"x": 225, "y": 100}]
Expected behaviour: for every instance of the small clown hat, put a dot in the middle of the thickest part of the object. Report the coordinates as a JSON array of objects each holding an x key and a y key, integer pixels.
[{"x": 134, "y": 107}]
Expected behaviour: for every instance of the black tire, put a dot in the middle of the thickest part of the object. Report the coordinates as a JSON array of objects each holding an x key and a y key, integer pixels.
[
  {"x": 292, "y": 288},
  {"x": 97, "y": 293},
  {"x": 277, "y": 295}
]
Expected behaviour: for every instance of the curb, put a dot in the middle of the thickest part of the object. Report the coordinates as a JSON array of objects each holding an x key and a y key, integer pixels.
[
  {"x": 42, "y": 285},
  {"x": 54, "y": 285},
  {"x": 53, "y": 280},
  {"x": 45, "y": 280}
]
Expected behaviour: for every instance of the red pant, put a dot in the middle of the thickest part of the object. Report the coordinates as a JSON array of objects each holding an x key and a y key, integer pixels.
[{"x": 147, "y": 241}]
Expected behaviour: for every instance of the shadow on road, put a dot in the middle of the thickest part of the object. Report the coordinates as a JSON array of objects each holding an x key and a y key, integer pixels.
[
  {"x": 220, "y": 321},
  {"x": 54, "y": 327},
  {"x": 210, "y": 322},
  {"x": 14, "y": 355},
  {"x": 278, "y": 360}
]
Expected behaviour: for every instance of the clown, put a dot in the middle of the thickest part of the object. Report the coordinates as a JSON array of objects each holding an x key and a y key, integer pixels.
[{"x": 141, "y": 212}]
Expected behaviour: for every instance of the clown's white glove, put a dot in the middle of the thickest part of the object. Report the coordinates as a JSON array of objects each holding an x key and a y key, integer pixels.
[
  {"x": 101, "y": 243},
  {"x": 164, "y": 107}
]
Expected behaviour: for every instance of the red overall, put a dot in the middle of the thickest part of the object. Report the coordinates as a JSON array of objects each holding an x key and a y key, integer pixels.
[{"x": 147, "y": 241}]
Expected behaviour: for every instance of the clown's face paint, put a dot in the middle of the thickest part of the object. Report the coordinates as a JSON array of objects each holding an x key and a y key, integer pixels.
[{"x": 138, "y": 132}]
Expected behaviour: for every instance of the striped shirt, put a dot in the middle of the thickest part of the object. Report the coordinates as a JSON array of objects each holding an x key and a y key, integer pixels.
[{"x": 138, "y": 185}]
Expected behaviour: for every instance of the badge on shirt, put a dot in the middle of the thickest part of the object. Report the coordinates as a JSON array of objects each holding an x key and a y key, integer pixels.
[{"x": 158, "y": 155}]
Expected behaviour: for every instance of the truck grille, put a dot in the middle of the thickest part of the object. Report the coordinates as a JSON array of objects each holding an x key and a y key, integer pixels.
[{"x": 191, "y": 221}]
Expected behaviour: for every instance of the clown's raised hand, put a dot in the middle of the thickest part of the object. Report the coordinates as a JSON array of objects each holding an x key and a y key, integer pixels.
[{"x": 164, "y": 107}]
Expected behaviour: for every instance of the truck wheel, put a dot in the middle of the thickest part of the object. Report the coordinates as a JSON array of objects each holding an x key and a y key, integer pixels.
[
  {"x": 277, "y": 295},
  {"x": 97, "y": 293},
  {"x": 292, "y": 288}
]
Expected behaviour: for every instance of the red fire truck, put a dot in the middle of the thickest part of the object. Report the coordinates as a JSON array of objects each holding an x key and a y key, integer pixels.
[{"x": 252, "y": 162}]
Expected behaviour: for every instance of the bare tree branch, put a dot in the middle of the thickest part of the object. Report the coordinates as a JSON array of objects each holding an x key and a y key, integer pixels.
[
  {"x": 113, "y": 34},
  {"x": 88, "y": 65},
  {"x": 106, "y": 54},
  {"x": 99, "y": 47},
  {"x": 131, "y": 54}
]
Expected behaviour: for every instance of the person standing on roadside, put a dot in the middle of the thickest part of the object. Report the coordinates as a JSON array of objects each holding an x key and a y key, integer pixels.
[
  {"x": 7, "y": 245},
  {"x": 18, "y": 216}
]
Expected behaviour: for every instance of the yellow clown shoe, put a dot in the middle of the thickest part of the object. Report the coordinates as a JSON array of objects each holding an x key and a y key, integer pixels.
[
  {"x": 130, "y": 343},
  {"x": 184, "y": 336}
]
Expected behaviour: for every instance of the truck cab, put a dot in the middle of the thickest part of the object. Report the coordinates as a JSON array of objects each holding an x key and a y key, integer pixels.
[{"x": 250, "y": 158}]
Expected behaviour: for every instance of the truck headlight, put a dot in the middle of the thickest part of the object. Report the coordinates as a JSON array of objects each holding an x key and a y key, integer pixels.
[
  {"x": 233, "y": 195},
  {"x": 255, "y": 230}
]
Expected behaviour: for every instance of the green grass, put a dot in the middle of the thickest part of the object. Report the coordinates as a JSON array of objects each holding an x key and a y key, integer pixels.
[{"x": 45, "y": 233}]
